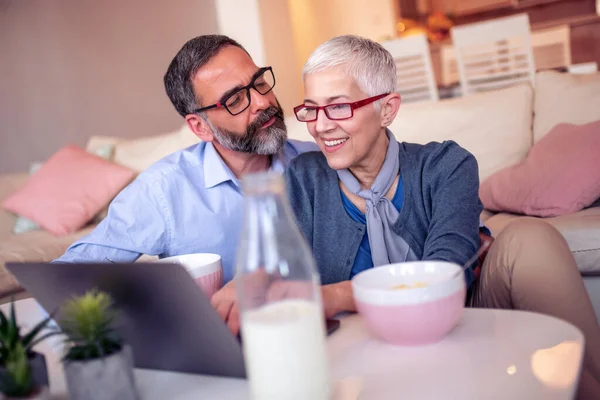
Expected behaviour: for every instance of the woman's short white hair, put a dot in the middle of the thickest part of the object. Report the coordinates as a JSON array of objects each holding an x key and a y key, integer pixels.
[{"x": 369, "y": 63}]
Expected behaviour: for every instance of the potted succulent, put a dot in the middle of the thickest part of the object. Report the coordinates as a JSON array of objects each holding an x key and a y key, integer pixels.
[
  {"x": 97, "y": 364},
  {"x": 23, "y": 372}
]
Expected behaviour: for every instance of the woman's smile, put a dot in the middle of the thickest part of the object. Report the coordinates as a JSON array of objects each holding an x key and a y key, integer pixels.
[{"x": 334, "y": 145}]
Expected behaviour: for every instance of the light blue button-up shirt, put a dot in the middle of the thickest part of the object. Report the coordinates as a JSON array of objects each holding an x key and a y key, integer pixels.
[{"x": 188, "y": 202}]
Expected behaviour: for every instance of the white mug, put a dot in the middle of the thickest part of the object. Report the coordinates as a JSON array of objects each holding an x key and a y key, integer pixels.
[{"x": 205, "y": 268}]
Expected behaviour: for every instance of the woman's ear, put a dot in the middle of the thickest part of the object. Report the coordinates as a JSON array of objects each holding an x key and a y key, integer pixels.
[
  {"x": 389, "y": 108},
  {"x": 200, "y": 127}
]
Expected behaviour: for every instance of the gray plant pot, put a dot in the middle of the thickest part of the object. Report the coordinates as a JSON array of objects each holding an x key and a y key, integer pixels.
[
  {"x": 108, "y": 378},
  {"x": 42, "y": 393},
  {"x": 38, "y": 370}
]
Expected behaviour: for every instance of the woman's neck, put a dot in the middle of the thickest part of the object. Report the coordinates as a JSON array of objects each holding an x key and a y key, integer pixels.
[{"x": 367, "y": 170}]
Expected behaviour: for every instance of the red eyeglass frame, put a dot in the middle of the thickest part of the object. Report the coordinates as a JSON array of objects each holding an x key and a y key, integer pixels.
[{"x": 353, "y": 106}]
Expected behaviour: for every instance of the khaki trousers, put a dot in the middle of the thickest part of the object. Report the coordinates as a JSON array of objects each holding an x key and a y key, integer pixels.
[{"x": 530, "y": 267}]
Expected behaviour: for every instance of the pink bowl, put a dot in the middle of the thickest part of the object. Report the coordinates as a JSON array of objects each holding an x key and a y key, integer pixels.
[
  {"x": 205, "y": 268},
  {"x": 414, "y": 316}
]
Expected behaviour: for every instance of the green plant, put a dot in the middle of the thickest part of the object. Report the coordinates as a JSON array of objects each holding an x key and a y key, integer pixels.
[
  {"x": 88, "y": 324},
  {"x": 15, "y": 351},
  {"x": 18, "y": 380}
]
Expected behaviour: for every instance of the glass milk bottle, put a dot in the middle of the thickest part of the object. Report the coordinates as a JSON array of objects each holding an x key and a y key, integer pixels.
[{"x": 279, "y": 295}]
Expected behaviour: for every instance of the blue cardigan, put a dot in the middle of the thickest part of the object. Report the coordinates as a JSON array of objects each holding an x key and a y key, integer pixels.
[{"x": 439, "y": 218}]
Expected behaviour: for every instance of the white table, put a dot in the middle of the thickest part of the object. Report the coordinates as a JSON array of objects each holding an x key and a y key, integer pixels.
[{"x": 491, "y": 354}]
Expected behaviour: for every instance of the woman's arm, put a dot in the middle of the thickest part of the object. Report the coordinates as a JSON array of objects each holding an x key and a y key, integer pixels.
[{"x": 453, "y": 198}]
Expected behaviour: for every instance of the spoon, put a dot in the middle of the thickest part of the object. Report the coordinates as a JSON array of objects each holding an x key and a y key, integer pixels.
[{"x": 470, "y": 261}]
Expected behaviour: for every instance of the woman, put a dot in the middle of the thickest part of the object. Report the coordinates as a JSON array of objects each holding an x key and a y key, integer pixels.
[{"x": 367, "y": 200}]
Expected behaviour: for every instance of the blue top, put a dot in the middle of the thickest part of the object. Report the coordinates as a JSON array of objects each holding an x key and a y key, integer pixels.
[
  {"x": 188, "y": 202},
  {"x": 439, "y": 219},
  {"x": 363, "y": 259}
]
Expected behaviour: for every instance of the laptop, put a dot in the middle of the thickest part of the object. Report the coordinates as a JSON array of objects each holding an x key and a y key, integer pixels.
[{"x": 162, "y": 314}]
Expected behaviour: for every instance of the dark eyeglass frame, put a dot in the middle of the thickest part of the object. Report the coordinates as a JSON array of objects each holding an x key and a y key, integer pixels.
[
  {"x": 353, "y": 106},
  {"x": 223, "y": 102}
]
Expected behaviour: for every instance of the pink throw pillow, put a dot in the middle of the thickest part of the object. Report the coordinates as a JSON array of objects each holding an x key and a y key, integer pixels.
[
  {"x": 560, "y": 175},
  {"x": 68, "y": 190}
]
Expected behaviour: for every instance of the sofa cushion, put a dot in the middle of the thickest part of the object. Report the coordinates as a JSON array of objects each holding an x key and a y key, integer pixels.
[
  {"x": 9, "y": 183},
  {"x": 297, "y": 130},
  {"x": 560, "y": 175},
  {"x": 581, "y": 231},
  {"x": 39, "y": 246},
  {"x": 23, "y": 224},
  {"x": 139, "y": 154},
  {"x": 561, "y": 97},
  {"x": 486, "y": 214},
  {"x": 494, "y": 126},
  {"x": 68, "y": 190},
  {"x": 98, "y": 142}
]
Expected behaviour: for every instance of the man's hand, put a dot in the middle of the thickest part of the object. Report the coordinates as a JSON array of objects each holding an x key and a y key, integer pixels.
[{"x": 225, "y": 302}]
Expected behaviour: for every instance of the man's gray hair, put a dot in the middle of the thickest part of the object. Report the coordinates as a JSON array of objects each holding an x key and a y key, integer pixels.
[{"x": 369, "y": 63}]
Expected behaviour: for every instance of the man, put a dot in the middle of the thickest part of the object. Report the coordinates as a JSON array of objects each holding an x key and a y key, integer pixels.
[{"x": 191, "y": 201}]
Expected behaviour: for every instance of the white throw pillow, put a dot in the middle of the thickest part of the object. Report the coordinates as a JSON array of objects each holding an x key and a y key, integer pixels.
[
  {"x": 139, "y": 154},
  {"x": 563, "y": 97},
  {"x": 297, "y": 130},
  {"x": 494, "y": 126},
  {"x": 99, "y": 142}
]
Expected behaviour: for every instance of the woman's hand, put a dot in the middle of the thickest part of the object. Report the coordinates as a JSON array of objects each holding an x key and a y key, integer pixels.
[{"x": 337, "y": 297}]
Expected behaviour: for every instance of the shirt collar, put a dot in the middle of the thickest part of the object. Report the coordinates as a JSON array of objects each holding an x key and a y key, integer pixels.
[
  {"x": 278, "y": 163},
  {"x": 215, "y": 169},
  {"x": 217, "y": 172}
]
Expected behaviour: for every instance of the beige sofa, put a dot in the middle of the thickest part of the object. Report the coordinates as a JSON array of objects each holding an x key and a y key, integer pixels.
[{"x": 498, "y": 127}]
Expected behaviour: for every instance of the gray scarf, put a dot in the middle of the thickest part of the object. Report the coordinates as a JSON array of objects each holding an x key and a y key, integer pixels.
[{"x": 386, "y": 246}]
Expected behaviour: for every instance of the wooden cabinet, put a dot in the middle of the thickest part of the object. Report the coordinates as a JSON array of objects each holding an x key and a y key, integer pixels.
[{"x": 469, "y": 10}]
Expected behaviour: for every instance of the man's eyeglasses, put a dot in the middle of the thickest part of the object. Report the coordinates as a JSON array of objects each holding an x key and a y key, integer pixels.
[
  {"x": 336, "y": 112},
  {"x": 237, "y": 101}
]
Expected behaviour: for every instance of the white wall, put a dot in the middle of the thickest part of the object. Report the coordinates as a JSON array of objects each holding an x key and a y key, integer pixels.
[
  {"x": 280, "y": 52},
  {"x": 263, "y": 27},
  {"x": 315, "y": 21},
  {"x": 70, "y": 69},
  {"x": 240, "y": 20}
]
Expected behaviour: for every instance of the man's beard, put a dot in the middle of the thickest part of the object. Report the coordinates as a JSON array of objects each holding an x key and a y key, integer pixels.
[{"x": 267, "y": 141}]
